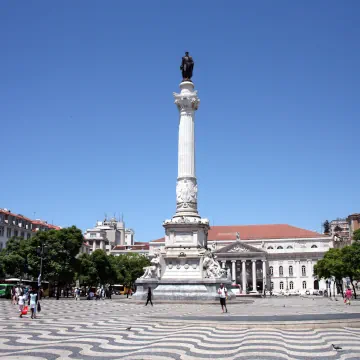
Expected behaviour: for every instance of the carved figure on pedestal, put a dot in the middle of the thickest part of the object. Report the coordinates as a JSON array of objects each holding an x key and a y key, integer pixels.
[
  {"x": 186, "y": 193},
  {"x": 152, "y": 271},
  {"x": 187, "y": 67},
  {"x": 212, "y": 267}
]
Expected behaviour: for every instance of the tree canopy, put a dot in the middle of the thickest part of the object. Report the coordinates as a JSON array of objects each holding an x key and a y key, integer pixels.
[{"x": 356, "y": 235}]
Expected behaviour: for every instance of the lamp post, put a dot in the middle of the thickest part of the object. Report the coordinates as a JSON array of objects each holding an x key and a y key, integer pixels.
[{"x": 41, "y": 250}]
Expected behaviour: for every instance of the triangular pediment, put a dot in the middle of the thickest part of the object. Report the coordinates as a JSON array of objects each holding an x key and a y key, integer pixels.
[{"x": 238, "y": 247}]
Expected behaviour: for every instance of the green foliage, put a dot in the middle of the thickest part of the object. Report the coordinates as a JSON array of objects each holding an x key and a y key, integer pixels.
[
  {"x": 99, "y": 268},
  {"x": 14, "y": 257},
  {"x": 59, "y": 259},
  {"x": 356, "y": 235}
]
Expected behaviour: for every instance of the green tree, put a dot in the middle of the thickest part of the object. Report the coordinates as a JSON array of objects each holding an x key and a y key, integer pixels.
[
  {"x": 351, "y": 259},
  {"x": 331, "y": 265},
  {"x": 60, "y": 255},
  {"x": 130, "y": 267},
  {"x": 86, "y": 272},
  {"x": 14, "y": 257},
  {"x": 356, "y": 235}
]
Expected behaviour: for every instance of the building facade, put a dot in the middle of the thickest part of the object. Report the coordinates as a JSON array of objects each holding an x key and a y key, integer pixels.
[
  {"x": 112, "y": 237},
  {"x": 260, "y": 257},
  {"x": 18, "y": 225}
]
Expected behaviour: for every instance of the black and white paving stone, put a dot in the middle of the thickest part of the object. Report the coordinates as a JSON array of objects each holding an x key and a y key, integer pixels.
[{"x": 67, "y": 329}]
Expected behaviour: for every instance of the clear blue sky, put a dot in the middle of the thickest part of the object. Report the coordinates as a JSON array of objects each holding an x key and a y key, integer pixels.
[{"x": 88, "y": 124}]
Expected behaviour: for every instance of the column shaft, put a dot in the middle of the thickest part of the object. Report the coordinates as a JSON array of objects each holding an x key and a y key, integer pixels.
[
  {"x": 243, "y": 273},
  {"x": 233, "y": 275},
  {"x": 254, "y": 275},
  {"x": 264, "y": 273}
]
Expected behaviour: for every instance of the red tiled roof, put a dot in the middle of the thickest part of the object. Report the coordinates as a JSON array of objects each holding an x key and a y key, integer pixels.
[
  {"x": 132, "y": 247},
  {"x": 255, "y": 232}
]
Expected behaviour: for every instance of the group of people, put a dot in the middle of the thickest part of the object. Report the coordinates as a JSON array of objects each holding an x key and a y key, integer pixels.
[
  {"x": 23, "y": 296},
  {"x": 100, "y": 293}
]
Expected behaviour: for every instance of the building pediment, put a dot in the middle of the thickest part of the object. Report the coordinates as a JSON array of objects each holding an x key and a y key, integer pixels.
[{"x": 239, "y": 247}]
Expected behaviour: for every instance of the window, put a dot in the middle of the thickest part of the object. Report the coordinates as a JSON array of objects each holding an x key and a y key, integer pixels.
[
  {"x": 281, "y": 270},
  {"x": 281, "y": 285},
  {"x": 16, "y": 233},
  {"x": 303, "y": 270},
  {"x": 290, "y": 270},
  {"x": 8, "y": 232},
  {"x": 28, "y": 236},
  {"x": 16, "y": 221},
  {"x": 22, "y": 235},
  {"x": 304, "y": 284},
  {"x": 314, "y": 247},
  {"x": 271, "y": 270},
  {"x": 1, "y": 245},
  {"x": 92, "y": 235},
  {"x": 272, "y": 286},
  {"x": 279, "y": 247},
  {"x": 270, "y": 248},
  {"x": 2, "y": 231},
  {"x": 291, "y": 284},
  {"x": 289, "y": 247}
]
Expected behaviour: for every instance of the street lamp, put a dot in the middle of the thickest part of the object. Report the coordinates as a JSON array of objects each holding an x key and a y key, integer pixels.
[{"x": 41, "y": 250}]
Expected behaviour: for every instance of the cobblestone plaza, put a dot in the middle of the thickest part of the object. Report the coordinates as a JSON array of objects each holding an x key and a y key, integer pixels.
[{"x": 271, "y": 328}]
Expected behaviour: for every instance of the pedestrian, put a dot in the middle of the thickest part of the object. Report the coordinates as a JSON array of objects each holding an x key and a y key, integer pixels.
[
  {"x": 222, "y": 291},
  {"x": 77, "y": 294},
  {"x": 21, "y": 304},
  {"x": 32, "y": 303},
  {"x": 17, "y": 293},
  {"x": 110, "y": 291},
  {"x": 149, "y": 298},
  {"x": 348, "y": 295}
]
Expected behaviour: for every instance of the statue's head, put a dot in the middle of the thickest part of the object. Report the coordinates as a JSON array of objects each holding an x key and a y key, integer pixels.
[{"x": 186, "y": 53}]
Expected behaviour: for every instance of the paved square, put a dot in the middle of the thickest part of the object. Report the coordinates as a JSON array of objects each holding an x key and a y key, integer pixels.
[{"x": 67, "y": 329}]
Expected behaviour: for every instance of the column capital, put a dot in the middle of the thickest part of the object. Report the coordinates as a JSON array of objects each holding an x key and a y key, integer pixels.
[
  {"x": 243, "y": 261},
  {"x": 263, "y": 260},
  {"x": 254, "y": 260},
  {"x": 233, "y": 261}
]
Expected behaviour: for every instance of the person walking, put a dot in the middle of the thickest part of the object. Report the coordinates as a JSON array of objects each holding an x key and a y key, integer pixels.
[
  {"x": 149, "y": 298},
  {"x": 21, "y": 304},
  {"x": 13, "y": 295},
  {"x": 348, "y": 295},
  {"x": 32, "y": 303},
  {"x": 77, "y": 294},
  {"x": 222, "y": 291}
]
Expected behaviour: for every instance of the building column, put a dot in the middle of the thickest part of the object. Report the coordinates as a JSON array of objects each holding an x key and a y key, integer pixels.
[
  {"x": 233, "y": 272},
  {"x": 102, "y": 245},
  {"x": 264, "y": 273},
  {"x": 243, "y": 275},
  {"x": 298, "y": 275},
  {"x": 94, "y": 245},
  {"x": 310, "y": 281},
  {"x": 254, "y": 275}
]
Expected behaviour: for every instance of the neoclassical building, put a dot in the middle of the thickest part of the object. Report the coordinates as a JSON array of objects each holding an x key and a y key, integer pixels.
[{"x": 279, "y": 256}]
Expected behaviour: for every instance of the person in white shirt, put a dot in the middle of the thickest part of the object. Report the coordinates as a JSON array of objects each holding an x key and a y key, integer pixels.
[
  {"x": 21, "y": 304},
  {"x": 33, "y": 302},
  {"x": 222, "y": 291}
]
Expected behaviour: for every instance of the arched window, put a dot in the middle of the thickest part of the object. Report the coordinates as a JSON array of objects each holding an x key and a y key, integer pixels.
[
  {"x": 281, "y": 285},
  {"x": 290, "y": 270},
  {"x": 314, "y": 247},
  {"x": 303, "y": 270},
  {"x": 304, "y": 284},
  {"x": 291, "y": 284},
  {"x": 272, "y": 286},
  {"x": 289, "y": 247},
  {"x": 281, "y": 270},
  {"x": 270, "y": 248},
  {"x": 279, "y": 247},
  {"x": 271, "y": 270}
]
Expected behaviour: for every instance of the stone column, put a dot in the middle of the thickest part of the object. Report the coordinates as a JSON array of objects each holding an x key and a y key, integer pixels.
[
  {"x": 254, "y": 275},
  {"x": 186, "y": 188},
  {"x": 102, "y": 245},
  {"x": 94, "y": 245},
  {"x": 310, "y": 280},
  {"x": 233, "y": 272},
  {"x": 243, "y": 275},
  {"x": 264, "y": 273},
  {"x": 298, "y": 275}
]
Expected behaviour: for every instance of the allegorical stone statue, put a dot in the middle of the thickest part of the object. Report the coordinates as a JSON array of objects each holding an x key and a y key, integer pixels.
[{"x": 187, "y": 66}]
